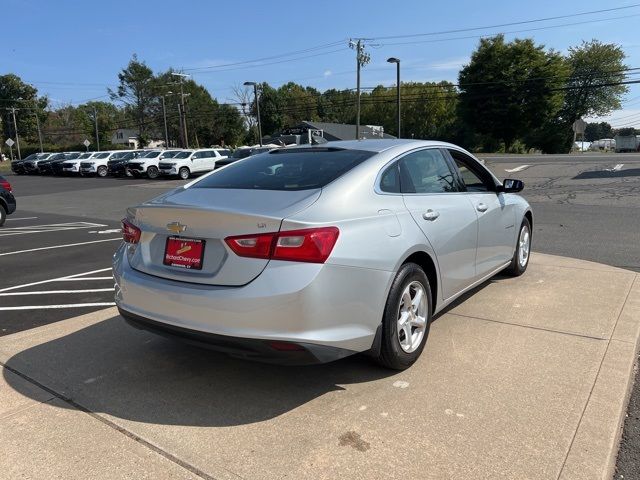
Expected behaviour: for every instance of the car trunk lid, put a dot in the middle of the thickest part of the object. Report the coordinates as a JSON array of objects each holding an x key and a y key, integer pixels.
[{"x": 210, "y": 215}]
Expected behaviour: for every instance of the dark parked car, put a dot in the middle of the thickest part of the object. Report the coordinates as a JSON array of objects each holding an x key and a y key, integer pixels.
[
  {"x": 118, "y": 161},
  {"x": 53, "y": 164},
  {"x": 7, "y": 200},
  {"x": 239, "y": 154},
  {"x": 17, "y": 166}
]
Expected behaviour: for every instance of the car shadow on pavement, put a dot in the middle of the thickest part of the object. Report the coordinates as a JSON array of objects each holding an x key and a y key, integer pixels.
[
  {"x": 631, "y": 172},
  {"x": 112, "y": 368}
]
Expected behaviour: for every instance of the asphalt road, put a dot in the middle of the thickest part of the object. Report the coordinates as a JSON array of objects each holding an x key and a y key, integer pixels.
[{"x": 585, "y": 206}]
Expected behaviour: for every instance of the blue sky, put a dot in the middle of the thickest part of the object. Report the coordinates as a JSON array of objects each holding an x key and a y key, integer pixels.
[{"x": 73, "y": 50}]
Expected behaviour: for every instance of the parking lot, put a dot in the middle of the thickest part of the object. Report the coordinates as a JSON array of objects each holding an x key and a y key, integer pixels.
[{"x": 567, "y": 331}]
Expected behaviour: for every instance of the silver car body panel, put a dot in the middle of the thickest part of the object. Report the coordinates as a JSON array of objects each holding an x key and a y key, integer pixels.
[{"x": 339, "y": 303}]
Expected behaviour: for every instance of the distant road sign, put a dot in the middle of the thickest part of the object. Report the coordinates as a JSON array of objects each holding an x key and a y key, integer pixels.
[
  {"x": 9, "y": 142},
  {"x": 579, "y": 126},
  {"x": 86, "y": 143}
]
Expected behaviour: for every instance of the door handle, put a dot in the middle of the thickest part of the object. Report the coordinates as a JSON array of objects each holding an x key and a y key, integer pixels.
[
  {"x": 430, "y": 215},
  {"x": 481, "y": 207}
]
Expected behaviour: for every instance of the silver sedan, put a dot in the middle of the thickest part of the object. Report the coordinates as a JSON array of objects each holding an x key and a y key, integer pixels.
[{"x": 310, "y": 254}]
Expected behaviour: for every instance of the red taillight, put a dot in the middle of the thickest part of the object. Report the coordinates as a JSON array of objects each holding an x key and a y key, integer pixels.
[
  {"x": 130, "y": 233},
  {"x": 4, "y": 183},
  {"x": 312, "y": 245},
  {"x": 253, "y": 246}
]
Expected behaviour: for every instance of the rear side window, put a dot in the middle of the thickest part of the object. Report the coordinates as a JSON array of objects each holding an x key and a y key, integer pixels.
[
  {"x": 426, "y": 171},
  {"x": 292, "y": 169}
]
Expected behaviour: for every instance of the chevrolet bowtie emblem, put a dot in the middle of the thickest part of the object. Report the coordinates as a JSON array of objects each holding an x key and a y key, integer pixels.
[{"x": 176, "y": 227}]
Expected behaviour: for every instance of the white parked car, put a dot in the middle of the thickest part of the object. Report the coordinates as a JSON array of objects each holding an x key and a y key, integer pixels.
[
  {"x": 187, "y": 162},
  {"x": 73, "y": 166},
  {"x": 97, "y": 164}
]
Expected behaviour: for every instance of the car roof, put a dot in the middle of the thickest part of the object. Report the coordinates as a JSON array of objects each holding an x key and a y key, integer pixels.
[{"x": 382, "y": 144}]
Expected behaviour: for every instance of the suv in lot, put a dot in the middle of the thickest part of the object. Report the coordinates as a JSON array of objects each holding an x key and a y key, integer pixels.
[
  {"x": 146, "y": 164},
  {"x": 7, "y": 200},
  {"x": 31, "y": 165},
  {"x": 116, "y": 165},
  {"x": 97, "y": 164},
  {"x": 17, "y": 166},
  {"x": 72, "y": 165},
  {"x": 54, "y": 165},
  {"x": 186, "y": 162}
]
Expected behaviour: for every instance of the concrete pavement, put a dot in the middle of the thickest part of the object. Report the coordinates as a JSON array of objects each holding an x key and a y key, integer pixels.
[{"x": 523, "y": 378}]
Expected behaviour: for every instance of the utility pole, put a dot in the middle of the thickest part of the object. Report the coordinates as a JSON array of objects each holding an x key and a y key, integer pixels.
[
  {"x": 181, "y": 129},
  {"x": 362, "y": 58},
  {"x": 95, "y": 119},
  {"x": 15, "y": 127},
  {"x": 183, "y": 111},
  {"x": 255, "y": 97},
  {"x": 39, "y": 131}
]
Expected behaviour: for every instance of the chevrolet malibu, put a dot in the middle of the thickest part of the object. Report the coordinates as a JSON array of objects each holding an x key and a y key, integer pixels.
[{"x": 311, "y": 254}]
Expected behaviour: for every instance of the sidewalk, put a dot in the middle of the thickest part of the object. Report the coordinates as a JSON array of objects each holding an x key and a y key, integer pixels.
[{"x": 525, "y": 378}]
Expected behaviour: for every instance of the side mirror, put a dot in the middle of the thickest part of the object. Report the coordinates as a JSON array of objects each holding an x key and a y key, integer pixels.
[{"x": 512, "y": 186}]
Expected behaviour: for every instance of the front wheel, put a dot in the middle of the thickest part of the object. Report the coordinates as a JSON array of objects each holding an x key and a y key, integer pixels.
[
  {"x": 407, "y": 318},
  {"x": 184, "y": 173},
  {"x": 153, "y": 172},
  {"x": 520, "y": 259},
  {"x": 102, "y": 171}
]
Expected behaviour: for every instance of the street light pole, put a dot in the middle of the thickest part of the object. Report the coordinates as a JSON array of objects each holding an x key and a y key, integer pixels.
[
  {"x": 397, "y": 62},
  {"x": 166, "y": 131},
  {"x": 255, "y": 96},
  {"x": 15, "y": 126}
]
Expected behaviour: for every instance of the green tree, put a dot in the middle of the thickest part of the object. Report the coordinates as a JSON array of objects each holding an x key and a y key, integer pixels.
[
  {"x": 14, "y": 93},
  {"x": 596, "y": 131},
  {"x": 297, "y": 104},
  {"x": 511, "y": 88},
  {"x": 109, "y": 117},
  {"x": 137, "y": 91}
]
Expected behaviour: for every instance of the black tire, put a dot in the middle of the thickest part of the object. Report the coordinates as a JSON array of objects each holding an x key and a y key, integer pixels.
[
  {"x": 184, "y": 173},
  {"x": 153, "y": 172},
  {"x": 516, "y": 267},
  {"x": 102, "y": 171},
  {"x": 3, "y": 215},
  {"x": 392, "y": 354}
]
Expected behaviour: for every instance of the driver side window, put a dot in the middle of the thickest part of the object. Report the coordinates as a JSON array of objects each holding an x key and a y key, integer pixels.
[
  {"x": 472, "y": 181},
  {"x": 426, "y": 171}
]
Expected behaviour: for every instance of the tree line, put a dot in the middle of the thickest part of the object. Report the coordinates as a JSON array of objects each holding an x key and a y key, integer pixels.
[{"x": 511, "y": 96}]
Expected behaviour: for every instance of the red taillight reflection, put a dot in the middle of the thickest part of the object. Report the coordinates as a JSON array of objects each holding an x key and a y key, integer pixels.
[
  {"x": 130, "y": 233},
  {"x": 312, "y": 245},
  {"x": 6, "y": 185}
]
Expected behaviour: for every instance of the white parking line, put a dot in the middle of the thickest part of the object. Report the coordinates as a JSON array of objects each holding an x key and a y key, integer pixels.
[
  {"x": 83, "y": 279},
  {"x": 617, "y": 168},
  {"x": 58, "y": 279},
  {"x": 7, "y": 232},
  {"x": 59, "y": 246},
  {"x": 72, "y": 305},
  {"x": 55, "y": 292},
  {"x": 517, "y": 169},
  {"x": 23, "y": 218}
]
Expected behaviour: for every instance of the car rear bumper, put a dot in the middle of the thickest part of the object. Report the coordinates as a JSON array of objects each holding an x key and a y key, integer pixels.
[
  {"x": 283, "y": 353},
  {"x": 305, "y": 304}
]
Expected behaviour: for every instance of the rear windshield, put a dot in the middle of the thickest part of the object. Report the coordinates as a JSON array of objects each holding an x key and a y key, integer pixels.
[
  {"x": 152, "y": 154},
  {"x": 294, "y": 169}
]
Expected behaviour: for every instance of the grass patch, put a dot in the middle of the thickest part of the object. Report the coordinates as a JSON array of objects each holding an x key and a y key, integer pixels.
[{"x": 5, "y": 167}]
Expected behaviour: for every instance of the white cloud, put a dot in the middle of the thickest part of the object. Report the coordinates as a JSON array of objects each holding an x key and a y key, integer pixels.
[
  {"x": 450, "y": 64},
  {"x": 327, "y": 73}
]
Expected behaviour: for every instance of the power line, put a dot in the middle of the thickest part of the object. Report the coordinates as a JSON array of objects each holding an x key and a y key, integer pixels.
[{"x": 510, "y": 24}]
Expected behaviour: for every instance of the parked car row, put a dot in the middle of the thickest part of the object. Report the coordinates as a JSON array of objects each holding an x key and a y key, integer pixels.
[{"x": 151, "y": 163}]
